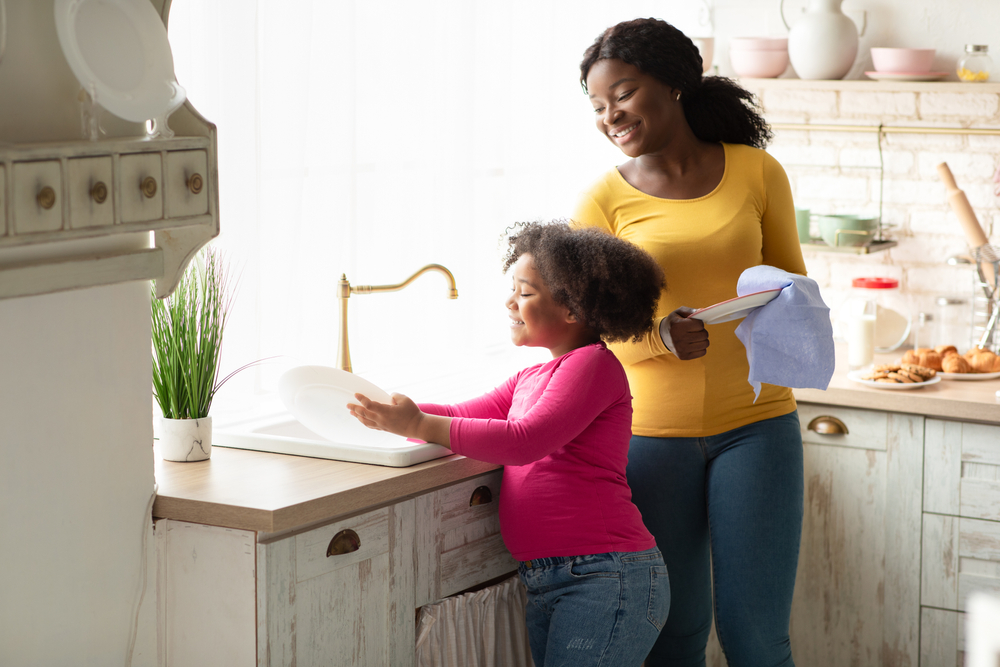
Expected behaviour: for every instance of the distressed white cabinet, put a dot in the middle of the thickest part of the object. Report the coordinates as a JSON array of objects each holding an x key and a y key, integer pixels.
[
  {"x": 341, "y": 594},
  {"x": 857, "y": 591},
  {"x": 961, "y": 532}
]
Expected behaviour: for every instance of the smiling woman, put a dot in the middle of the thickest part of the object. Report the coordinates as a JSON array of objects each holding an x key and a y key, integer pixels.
[{"x": 371, "y": 138}]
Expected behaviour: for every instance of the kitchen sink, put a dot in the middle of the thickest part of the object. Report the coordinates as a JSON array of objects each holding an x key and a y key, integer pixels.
[{"x": 283, "y": 434}]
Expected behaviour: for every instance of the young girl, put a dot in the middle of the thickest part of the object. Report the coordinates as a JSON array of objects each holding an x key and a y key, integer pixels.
[{"x": 597, "y": 588}]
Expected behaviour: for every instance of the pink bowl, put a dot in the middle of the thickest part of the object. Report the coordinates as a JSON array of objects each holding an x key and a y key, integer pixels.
[
  {"x": 758, "y": 64},
  {"x": 759, "y": 43},
  {"x": 909, "y": 61}
]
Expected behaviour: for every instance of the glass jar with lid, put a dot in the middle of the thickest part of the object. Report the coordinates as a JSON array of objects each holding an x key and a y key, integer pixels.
[
  {"x": 893, "y": 317},
  {"x": 976, "y": 64}
]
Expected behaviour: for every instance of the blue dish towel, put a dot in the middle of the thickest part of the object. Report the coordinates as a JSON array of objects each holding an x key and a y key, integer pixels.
[{"x": 789, "y": 340}]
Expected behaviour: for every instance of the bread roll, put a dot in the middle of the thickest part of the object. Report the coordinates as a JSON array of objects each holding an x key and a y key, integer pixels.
[
  {"x": 922, "y": 356},
  {"x": 955, "y": 363},
  {"x": 945, "y": 350}
]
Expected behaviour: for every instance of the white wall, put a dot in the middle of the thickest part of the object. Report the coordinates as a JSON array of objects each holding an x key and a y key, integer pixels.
[{"x": 76, "y": 475}]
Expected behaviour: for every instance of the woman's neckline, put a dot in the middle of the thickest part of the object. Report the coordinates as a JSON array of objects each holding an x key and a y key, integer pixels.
[{"x": 713, "y": 191}]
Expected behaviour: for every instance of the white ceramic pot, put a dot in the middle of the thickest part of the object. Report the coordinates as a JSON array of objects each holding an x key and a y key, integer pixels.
[
  {"x": 824, "y": 42},
  {"x": 185, "y": 439}
]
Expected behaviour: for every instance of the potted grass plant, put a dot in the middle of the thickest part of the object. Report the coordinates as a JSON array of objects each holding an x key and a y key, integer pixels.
[{"x": 187, "y": 329}]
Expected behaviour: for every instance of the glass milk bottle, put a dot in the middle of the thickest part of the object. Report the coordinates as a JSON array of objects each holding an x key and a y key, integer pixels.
[{"x": 860, "y": 330}]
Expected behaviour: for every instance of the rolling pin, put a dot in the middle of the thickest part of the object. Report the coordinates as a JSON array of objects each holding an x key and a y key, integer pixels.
[{"x": 974, "y": 233}]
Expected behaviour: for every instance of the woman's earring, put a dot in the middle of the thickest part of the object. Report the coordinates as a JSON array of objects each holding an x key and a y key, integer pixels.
[{"x": 678, "y": 96}]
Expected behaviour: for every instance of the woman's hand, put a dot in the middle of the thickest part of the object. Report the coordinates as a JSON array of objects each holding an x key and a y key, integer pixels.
[
  {"x": 402, "y": 417},
  {"x": 684, "y": 336}
]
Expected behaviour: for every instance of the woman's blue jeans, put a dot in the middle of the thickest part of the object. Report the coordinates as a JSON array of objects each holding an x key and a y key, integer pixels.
[
  {"x": 604, "y": 610},
  {"x": 725, "y": 510}
]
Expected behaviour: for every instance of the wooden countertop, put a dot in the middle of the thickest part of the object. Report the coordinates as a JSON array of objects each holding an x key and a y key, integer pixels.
[
  {"x": 274, "y": 493},
  {"x": 966, "y": 400}
]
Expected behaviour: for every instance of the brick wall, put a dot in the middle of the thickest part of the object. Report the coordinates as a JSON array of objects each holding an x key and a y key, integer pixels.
[{"x": 839, "y": 172}]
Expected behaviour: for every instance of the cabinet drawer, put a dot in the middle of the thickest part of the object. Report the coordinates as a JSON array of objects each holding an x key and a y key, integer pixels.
[
  {"x": 91, "y": 203},
  {"x": 187, "y": 183},
  {"x": 962, "y": 469},
  {"x": 959, "y": 556},
  {"x": 866, "y": 429},
  {"x": 311, "y": 549},
  {"x": 37, "y": 195},
  {"x": 141, "y": 187}
]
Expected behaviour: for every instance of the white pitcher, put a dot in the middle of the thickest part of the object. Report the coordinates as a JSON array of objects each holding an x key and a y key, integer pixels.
[{"x": 824, "y": 42}]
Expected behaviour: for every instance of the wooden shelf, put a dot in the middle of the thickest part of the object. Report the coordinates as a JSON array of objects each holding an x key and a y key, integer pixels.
[{"x": 875, "y": 246}]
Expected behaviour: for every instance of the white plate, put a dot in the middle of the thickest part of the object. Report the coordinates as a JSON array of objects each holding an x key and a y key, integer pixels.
[
  {"x": 734, "y": 309},
  {"x": 855, "y": 376},
  {"x": 906, "y": 76},
  {"x": 969, "y": 376},
  {"x": 318, "y": 396},
  {"x": 119, "y": 52}
]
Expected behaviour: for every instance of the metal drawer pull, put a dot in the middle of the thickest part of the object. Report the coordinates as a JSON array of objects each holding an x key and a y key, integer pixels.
[
  {"x": 827, "y": 425},
  {"x": 195, "y": 183},
  {"x": 99, "y": 193},
  {"x": 343, "y": 542},
  {"x": 46, "y": 197},
  {"x": 148, "y": 187},
  {"x": 481, "y": 496}
]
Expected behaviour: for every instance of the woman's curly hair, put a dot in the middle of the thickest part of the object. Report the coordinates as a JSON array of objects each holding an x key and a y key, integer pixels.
[
  {"x": 716, "y": 108},
  {"x": 608, "y": 283}
]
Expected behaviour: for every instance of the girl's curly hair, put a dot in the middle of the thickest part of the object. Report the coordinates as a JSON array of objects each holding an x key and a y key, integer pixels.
[
  {"x": 608, "y": 283},
  {"x": 716, "y": 108}
]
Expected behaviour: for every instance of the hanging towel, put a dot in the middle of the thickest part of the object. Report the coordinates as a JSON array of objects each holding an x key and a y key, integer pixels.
[{"x": 789, "y": 340}]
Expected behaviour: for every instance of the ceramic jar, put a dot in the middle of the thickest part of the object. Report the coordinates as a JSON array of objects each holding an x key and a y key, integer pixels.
[
  {"x": 185, "y": 439},
  {"x": 824, "y": 42}
]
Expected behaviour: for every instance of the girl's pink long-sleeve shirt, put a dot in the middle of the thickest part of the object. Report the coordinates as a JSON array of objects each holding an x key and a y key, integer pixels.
[{"x": 562, "y": 430}]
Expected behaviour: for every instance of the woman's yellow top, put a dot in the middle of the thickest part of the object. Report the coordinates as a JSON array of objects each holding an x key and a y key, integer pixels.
[{"x": 703, "y": 245}]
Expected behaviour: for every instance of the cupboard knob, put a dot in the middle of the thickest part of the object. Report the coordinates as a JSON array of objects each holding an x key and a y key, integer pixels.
[
  {"x": 827, "y": 425},
  {"x": 99, "y": 193},
  {"x": 343, "y": 542},
  {"x": 481, "y": 496},
  {"x": 195, "y": 183},
  {"x": 148, "y": 187},
  {"x": 46, "y": 197}
]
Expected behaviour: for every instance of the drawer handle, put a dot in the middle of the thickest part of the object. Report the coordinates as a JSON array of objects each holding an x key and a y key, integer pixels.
[
  {"x": 481, "y": 496},
  {"x": 99, "y": 193},
  {"x": 827, "y": 425},
  {"x": 148, "y": 187},
  {"x": 343, "y": 542},
  {"x": 195, "y": 184},
  {"x": 46, "y": 197}
]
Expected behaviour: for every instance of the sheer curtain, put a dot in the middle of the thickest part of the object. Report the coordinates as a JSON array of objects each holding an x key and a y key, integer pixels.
[{"x": 371, "y": 137}]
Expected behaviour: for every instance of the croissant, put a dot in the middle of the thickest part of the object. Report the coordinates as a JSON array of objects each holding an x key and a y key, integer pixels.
[
  {"x": 923, "y": 356},
  {"x": 945, "y": 350},
  {"x": 982, "y": 361},
  {"x": 956, "y": 363}
]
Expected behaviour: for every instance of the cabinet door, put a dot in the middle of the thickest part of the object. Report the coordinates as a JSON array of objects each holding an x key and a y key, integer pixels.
[
  {"x": 38, "y": 193},
  {"x": 141, "y": 187},
  {"x": 91, "y": 203},
  {"x": 187, "y": 183},
  {"x": 857, "y": 595},
  {"x": 458, "y": 540},
  {"x": 962, "y": 476},
  {"x": 319, "y": 604}
]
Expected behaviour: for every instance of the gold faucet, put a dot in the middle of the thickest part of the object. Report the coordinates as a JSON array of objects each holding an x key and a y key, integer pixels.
[{"x": 344, "y": 293}]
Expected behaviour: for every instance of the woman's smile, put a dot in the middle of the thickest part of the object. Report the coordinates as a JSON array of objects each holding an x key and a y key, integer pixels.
[{"x": 624, "y": 135}]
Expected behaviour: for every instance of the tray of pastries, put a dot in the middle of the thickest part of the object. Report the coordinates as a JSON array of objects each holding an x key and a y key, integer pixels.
[
  {"x": 896, "y": 376},
  {"x": 975, "y": 364}
]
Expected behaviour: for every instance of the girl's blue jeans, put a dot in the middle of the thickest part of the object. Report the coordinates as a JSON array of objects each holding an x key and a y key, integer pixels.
[
  {"x": 602, "y": 610},
  {"x": 725, "y": 509}
]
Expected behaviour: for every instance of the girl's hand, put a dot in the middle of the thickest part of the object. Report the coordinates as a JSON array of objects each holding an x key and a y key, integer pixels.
[
  {"x": 684, "y": 336},
  {"x": 402, "y": 417}
]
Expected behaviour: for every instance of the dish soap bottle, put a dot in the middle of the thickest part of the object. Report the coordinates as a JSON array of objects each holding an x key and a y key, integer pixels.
[{"x": 976, "y": 64}]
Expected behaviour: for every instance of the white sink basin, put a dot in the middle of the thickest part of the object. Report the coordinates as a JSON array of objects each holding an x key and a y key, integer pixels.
[{"x": 282, "y": 434}]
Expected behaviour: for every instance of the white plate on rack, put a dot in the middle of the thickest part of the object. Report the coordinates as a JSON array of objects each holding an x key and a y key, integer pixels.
[
  {"x": 970, "y": 376},
  {"x": 734, "y": 309},
  {"x": 318, "y": 396},
  {"x": 119, "y": 52},
  {"x": 855, "y": 376},
  {"x": 906, "y": 76}
]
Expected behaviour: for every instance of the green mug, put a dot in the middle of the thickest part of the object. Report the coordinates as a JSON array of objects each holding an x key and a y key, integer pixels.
[{"x": 802, "y": 218}]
